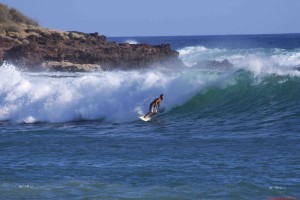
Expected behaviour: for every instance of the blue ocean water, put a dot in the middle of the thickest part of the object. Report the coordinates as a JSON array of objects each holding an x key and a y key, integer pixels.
[{"x": 228, "y": 127}]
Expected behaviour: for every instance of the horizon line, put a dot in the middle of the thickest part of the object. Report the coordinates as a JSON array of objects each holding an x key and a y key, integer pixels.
[{"x": 233, "y": 34}]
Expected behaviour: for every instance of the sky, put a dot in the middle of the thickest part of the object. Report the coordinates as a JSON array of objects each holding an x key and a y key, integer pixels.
[{"x": 164, "y": 17}]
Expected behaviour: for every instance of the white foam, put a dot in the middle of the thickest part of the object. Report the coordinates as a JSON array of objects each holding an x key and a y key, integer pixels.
[
  {"x": 120, "y": 96},
  {"x": 259, "y": 61},
  {"x": 27, "y": 186},
  {"x": 276, "y": 188},
  {"x": 131, "y": 41},
  {"x": 191, "y": 55},
  {"x": 116, "y": 96}
]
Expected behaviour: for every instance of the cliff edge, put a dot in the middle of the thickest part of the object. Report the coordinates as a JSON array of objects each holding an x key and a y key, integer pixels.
[{"x": 30, "y": 46}]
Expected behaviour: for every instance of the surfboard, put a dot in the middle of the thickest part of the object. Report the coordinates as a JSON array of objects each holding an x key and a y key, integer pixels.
[{"x": 145, "y": 119}]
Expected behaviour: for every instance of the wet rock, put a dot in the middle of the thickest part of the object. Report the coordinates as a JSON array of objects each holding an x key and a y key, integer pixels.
[
  {"x": 297, "y": 68},
  {"x": 214, "y": 64}
]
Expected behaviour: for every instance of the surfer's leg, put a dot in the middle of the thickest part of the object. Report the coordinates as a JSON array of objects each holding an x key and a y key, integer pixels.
[
  {"x": 153, "y": 112},
  {"x": 150, "y": 112},
  {"x": 145, "y": 116}
]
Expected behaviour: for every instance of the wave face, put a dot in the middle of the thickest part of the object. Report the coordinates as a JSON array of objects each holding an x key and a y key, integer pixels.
[
  {"x": 114, "y": 96},
  {"x": 263, "y": 81},
  {"x": 251, "y": 80}
]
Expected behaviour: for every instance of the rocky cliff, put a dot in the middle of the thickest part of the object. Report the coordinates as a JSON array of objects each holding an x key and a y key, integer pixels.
[
  {"x": 33, "y": 47},
  {"x": 36, "y": 47}
]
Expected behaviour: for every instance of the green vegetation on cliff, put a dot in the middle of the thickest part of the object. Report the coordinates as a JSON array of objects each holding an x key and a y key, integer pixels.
[{"x": 11, "y": 19}]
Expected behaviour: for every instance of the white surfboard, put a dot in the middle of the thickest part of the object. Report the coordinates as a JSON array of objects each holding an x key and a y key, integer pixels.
[{"x": 145, "y": 119}]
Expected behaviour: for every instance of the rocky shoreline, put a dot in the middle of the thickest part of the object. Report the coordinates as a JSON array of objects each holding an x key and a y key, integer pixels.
[{"x": 37, "y": 48}]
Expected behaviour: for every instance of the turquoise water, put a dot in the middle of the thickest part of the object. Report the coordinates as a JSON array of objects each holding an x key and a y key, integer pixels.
[{"x": 222, "y": 132}]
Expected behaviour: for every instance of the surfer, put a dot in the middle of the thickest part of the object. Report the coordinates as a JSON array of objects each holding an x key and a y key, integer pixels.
[{"x": 154, "y": 105}]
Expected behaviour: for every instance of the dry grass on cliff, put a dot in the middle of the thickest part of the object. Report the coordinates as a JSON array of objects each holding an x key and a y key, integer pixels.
[{"x": 11, "y": 19}]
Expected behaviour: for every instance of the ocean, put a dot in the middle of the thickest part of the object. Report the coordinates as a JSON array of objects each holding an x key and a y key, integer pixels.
[{"x": 228, "y": 127}]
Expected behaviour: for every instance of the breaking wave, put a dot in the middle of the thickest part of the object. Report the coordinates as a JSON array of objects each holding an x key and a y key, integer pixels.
[{"x": 252, "y": 76}]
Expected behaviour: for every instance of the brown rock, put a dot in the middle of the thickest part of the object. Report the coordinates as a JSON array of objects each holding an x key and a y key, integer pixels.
[{"x": 37, "y": 46}]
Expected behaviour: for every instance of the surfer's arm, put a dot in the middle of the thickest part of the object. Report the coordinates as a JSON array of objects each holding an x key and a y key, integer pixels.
[{"x": 158, "y": 103}]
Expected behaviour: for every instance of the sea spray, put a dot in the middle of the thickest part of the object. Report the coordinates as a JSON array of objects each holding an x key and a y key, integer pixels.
[
  {"x": 130, "y": 41},
  {"x": 114, "y": 96},
  {"x": 260, "y": 61}
]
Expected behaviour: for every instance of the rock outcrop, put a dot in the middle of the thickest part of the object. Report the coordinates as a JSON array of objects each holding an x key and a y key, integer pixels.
[
  {"x": 36, "y": 47},
  {"x": 216, "y": 65},
  {"x": 297, "y": 68}
]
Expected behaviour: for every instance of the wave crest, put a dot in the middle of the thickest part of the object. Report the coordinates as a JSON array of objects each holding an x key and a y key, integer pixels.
[
  {"x": 120, "y": 96},
  {"x": 260, "y": 61},
  {"x": 116, "y": 96}
]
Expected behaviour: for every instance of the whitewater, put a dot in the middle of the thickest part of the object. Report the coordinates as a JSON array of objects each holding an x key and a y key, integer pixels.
[
  {"x": 120, "y": 96},
  {"x": 115, "y": 96},
  {"x": 228, "y": 127}
]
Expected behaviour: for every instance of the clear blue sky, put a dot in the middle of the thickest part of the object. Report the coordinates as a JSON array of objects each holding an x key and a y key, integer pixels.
[{"x": 164, "y": 17}]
